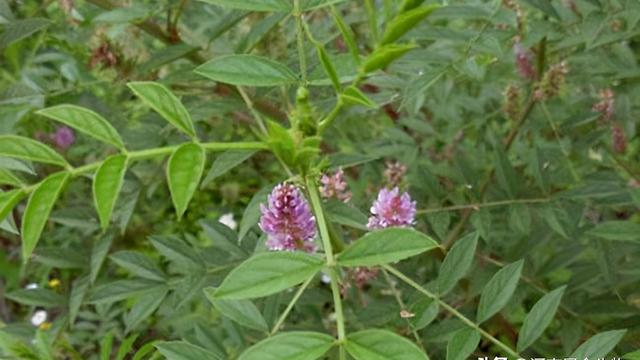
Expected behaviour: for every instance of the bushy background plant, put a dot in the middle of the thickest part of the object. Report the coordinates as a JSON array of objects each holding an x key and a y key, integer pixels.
[{"x": 139, "y": 140}]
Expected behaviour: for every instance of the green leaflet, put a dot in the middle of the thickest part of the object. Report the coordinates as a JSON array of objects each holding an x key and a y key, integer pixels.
[
  {"x": 244, "y": 312},
  {"x": 138, "y": 264},
  {"x": 406, "y": 21},
  {"x": 38, "y": 209},
  {"x": 247, "y": 70},
  {"x": 599, "y": 345},
  {"x": 24, "y": 148},
  {"x": 107, "y": 184},
  {"x": 385, "y": 246},
  {"x": 268, "y": 273},
  {"x": 184, "y": 171},
  {"x": 539, "y": 318},
  {"x": 86, "y": 121},
  {"x": 457, "y": 262},
  {"x": 375, "y": 344},
  {"x": 182, "y": 350},
  {"x": 384, "y": 55},
  {"x": 297, "y": 345},
  {"x": 462, "y": 344},
  {"x": 498, "y": 290},
  {"x": 165, "y": 103}
]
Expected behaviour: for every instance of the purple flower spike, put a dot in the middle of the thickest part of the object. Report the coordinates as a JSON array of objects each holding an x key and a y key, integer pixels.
[
  {"x": 287, "y": 220},
  {"x": 392, "y": 209},
  {"x": 64, "y": 137}
]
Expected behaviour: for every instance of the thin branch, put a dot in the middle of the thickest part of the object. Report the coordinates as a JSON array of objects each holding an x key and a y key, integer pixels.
[
  {"x": 403, "y": 307},
  {"x": 292, "y": 303},
  {"x": 453, "y": 311},
  {"x": 477, "y": 206}
]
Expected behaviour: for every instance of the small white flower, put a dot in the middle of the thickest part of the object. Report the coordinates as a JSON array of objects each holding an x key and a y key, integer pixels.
[
  {"x": 31, "y": 286},
  {"x": 227, "y": 219},
  {"x": 38, "y": 317}
]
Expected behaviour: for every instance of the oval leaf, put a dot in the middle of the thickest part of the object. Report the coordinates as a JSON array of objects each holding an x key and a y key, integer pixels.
[
  {"x": 462, "y": 344},
  {"x": 539, "y": 318},
  {"x": 406, "y": 21},
  {"x": 247, "y": 70},
  {"x": 385, "y": 246},
  {"x": 24, "y": 148},
  {"x": 268, "y": 273},
  {"x": 617, "y": 231},
  {"x": 244, "y": 312},
  {"x": 377, "y": 344},
  {"x": 106, "y": 186},
  {"x": 86, "y": 121},
  {"x": 37, "y": 297},
  {"x": 38, "y": 209},
  {"x": 225, "y": 162},
  {"x": 183, "y": 174},
  {"x": 299, "y": 345},
  {"x": 164, "y": 103},
  {"x": 497, "y": 292},
  {"x": 182, "y": 350},
  {"x": 457, "y": 262},
  {"x": 599, "y": 345},
  {"x": 138, "y": 264}
]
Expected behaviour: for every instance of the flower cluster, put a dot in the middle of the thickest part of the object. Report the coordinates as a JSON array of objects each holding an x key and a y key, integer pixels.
[
  {"x": 552, "y": 81},
  {"x": 287, "y": 220},
  {"x": 335, "y": 186},
  {"x": 392, "y": 208},
  {"x": 511, "y": 105},
  {"x": 394, "y": 172},
  {"x": 290, "y": 225},
  {"x": 606, "y": 105},
  {"x": 64, "y": 137}
]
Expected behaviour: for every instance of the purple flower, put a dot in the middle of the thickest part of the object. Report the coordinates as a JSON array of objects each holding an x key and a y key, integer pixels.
[
  {"x": 335, "y": 186},
  {"x": 392, "y": 209},
  {"x": 64, "y": 137},
  {"x": 287, "y": 220}
]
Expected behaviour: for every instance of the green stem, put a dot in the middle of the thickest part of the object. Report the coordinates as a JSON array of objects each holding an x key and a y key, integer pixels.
[
  {"x": 252, "y": 109},
  {"x": 486, "y": 204},
  {"x": 293, "y": 301},
  {"x": 316, "y": 205},
  {"x": 402, "y": 305},
  {"x": 453, "y": 311},
  {"x": 297, "y": 13},
  {"x": 373, "y": 20},
  {"x": 156, "y": 152},
  {"x": 331, "y": 116}
]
